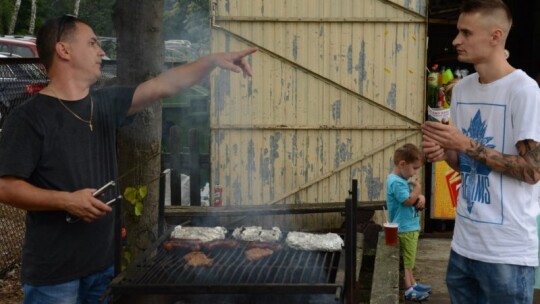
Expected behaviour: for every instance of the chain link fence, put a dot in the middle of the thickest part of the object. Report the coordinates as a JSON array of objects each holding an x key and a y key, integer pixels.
[
  {"x": 19, "y": 79},
  {"x": 12, "y": 229}
]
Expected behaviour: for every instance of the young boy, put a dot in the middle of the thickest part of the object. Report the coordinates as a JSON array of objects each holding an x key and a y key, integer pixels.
[{"x": 404, "y": 200}]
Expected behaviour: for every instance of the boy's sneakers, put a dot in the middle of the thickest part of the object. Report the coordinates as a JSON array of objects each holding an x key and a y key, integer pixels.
[
  {"x": 422, "y": 287},
  {"x": 414, "y": 295}
]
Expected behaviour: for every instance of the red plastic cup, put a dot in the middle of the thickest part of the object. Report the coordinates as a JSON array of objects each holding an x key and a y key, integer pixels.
[{"x": 390, "y": 233}]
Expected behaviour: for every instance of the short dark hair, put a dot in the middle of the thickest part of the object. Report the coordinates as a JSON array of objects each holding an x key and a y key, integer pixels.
[
  {"x": 486, "y": 6},
  {"x": 53, "y": 31},
  {"x": 409, "y": 153}
]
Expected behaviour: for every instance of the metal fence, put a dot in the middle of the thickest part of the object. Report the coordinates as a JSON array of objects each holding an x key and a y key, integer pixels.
[
  {"x": 20, "y": 78},
  {"x": 12, "y": 234}
]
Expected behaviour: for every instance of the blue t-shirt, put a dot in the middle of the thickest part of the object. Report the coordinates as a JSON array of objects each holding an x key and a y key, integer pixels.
[{"x": 397, "y": 193}]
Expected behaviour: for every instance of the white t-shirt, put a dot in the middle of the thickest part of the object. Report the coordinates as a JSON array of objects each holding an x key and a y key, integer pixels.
[{"x": 496, "y": 214}]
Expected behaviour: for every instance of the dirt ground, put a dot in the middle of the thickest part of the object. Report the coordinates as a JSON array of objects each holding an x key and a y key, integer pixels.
[
  {"x": 431, "y": 263},
  {"x": 10, "y": 287},
  {"x": 11, "y": 234}
]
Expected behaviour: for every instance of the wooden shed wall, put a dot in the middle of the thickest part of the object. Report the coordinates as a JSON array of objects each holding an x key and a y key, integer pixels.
[{"x": 337, "y": 85}]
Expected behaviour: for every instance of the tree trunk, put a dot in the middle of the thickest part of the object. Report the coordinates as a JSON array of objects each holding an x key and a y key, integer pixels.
[
  {"x": 14, "y": 17},
  {"x": 139, "y": 28},
  {"x": 32, "y": 25},
  {"x": 76, "y": 7}
]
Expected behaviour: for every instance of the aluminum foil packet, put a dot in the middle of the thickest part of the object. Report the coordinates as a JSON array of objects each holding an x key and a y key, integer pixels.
[
  {"x": 314, "y": 242},
  {"x": 257, "y": 234},
  {"x": 204, "y": 234}
]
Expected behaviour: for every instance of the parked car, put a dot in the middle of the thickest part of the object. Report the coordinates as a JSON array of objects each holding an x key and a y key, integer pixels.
[
  {"x": 108, "y": 44},
  {"x": 18, "y": 81},
  {"x": 22, "y": 46},
  {"x": 179, "y": 51},
  {"x": 8, "y": 55}
]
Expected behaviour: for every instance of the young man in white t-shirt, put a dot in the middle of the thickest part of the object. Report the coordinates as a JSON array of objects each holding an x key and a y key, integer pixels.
[{"x": 493, "y": 143}]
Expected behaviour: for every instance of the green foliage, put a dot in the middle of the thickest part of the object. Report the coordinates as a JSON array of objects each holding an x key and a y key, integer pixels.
[
  {"x": 98, "y": 14},
  {"x": 187, "y": 19},
  {"x": 182, "y": 19},
  {"x": 197, "y": 21},
  {"x": 23, "y": 18},
  {"x": 135, "y": 197},
  {"x": 126, "y": 258},
  {"x": 173, "y": 23},
  {"x": 6, "y": 10}
]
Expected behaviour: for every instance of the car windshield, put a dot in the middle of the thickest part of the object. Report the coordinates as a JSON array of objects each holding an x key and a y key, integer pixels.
[{"x": 19, "y": 50}]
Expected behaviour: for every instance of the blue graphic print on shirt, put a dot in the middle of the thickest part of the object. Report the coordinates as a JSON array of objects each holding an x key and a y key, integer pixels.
[{"x": 474, "y": 175}]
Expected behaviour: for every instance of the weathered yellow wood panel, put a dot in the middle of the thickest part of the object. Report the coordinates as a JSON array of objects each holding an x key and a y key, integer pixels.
[{"x": 337, "y": 86}]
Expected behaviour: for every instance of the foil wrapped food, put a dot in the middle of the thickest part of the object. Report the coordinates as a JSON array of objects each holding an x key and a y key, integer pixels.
[
  {"x": 257, "y": 234},
  {"x": 314, "y": 242},
  {"x": 204, "y": 234}
]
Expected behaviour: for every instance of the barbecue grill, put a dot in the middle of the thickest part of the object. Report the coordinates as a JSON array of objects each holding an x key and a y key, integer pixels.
[
  {"x": 285, "y": 271},
  {"x": 299, "y": 273}
]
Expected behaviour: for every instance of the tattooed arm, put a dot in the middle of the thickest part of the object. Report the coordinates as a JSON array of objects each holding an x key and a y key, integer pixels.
[{"x": 524, "y": 167}]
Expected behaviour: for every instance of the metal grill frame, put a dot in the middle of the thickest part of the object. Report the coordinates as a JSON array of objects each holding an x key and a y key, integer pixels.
[
  {"x": 151, "y": 273},
  {"x": 343, "y": 287}
]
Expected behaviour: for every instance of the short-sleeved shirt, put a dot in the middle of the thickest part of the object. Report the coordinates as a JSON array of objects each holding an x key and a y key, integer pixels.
[
  {"x": 496, "y": 214},
  {"x": 44, "y": 144},
  {"x": 397, "y": 192}
]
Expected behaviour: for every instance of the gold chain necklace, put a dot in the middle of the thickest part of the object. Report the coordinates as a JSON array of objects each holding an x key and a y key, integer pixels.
[{"x": 89, "y": 121}]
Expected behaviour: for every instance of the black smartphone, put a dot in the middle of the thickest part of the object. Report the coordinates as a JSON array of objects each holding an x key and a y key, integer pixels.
[{"x": 105, "y": 187}]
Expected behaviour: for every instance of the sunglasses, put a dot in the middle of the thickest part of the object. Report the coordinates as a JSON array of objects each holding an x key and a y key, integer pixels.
[{"x": 62, "y": 24}]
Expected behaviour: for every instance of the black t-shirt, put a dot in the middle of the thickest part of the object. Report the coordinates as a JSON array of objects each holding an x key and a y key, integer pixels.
[{"x": 43, "y": 143}]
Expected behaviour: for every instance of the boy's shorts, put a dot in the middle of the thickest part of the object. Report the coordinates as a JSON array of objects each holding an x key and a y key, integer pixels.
[{"x": 408, "y": 241}]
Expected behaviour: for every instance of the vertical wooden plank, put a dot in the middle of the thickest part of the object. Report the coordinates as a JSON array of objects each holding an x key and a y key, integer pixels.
[
  {"x": 239, "y": 115},
  {"x": 416, "y": 59},
  {"x": 377, "y": 173},
  {"x": 351, "y": 54},
  {"x": 316, "y": 138},
  {"x": 216, "y": 106}
]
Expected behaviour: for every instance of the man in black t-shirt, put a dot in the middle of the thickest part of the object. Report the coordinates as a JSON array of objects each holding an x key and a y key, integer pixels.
[{"x": 59, "y": 147}]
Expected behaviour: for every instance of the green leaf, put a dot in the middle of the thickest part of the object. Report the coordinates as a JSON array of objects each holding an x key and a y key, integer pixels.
[
  {"x": 143, "y": 191},
  {"x": 138, "y": 209},
  {"x": 127, "y": 256},
  {"x": 130, "y": 194}
]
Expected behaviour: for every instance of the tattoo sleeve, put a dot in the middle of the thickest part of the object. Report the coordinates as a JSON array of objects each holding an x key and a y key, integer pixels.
[{"x": 524, "y": 167}]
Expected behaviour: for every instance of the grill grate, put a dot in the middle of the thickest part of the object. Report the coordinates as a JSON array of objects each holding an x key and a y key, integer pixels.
[{"x": 286, "y": 271}]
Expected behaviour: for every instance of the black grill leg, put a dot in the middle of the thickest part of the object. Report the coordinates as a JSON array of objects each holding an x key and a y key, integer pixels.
[{"x": 351, "y": 207}]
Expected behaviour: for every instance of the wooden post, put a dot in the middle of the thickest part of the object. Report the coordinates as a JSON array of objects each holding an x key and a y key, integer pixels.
[
  {"x": 195, "y": 168},
  {"x": 351, "y": 206},
  {"x": 175, "y": 146}
]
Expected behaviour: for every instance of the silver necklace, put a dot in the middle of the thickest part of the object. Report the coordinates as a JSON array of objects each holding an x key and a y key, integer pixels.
[{"x": 89, "y": 121}]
